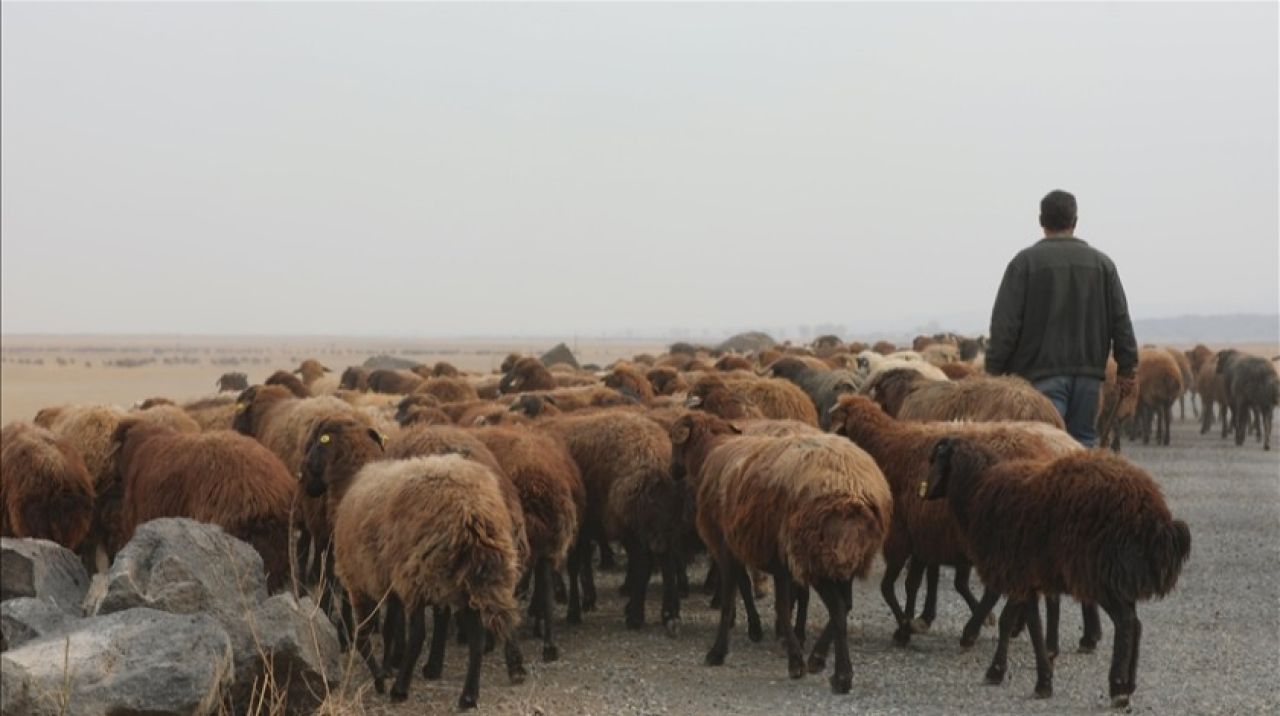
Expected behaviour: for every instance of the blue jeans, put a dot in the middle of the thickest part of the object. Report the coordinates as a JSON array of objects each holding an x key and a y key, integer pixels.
[{"x": 1076, "y": 398}]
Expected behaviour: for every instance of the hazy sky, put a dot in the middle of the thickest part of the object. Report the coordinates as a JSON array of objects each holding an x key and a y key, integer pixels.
[{"x": 559, "y": 169}]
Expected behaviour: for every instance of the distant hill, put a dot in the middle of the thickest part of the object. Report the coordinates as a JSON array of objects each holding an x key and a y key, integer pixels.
[{"x": 1232, "y": 328}]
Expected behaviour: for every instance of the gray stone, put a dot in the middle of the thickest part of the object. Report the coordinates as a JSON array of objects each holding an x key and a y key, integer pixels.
[
  {"x": 559, "y": 354},
  {"x": 138, "y": 661},
  {"x": 747, "y": 342},
  {"x": 185, "y": 567},
  {"x": 40, "y": 568},
  {"x": 299, "y": 645},
  {"x": 27, "y": 618}
]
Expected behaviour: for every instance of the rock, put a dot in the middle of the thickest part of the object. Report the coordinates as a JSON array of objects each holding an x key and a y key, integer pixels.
[
  {"x": 559, "y": 354},
  {"x": 138, "y": 661},
  {"x": 182, "y": 566},
  {"x": 747, "y": 342},
  {"x": 40, "y": 568},
  {"x": 298, "y": 642},
  {"x": 27, "y": 618}
]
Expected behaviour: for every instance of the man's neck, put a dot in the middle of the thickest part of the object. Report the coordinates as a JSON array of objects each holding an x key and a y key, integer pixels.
[{"x": 1069, "y": 234}]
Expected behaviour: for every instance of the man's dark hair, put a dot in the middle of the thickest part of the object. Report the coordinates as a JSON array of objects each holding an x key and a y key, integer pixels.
[{"x": 1058, "y": 211}]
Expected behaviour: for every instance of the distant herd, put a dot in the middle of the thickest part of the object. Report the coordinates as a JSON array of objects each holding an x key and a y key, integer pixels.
[{"x": 385, "y": 492}]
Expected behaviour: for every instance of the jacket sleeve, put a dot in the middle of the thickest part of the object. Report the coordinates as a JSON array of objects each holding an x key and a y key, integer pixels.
[
  {"x": 1006, "y": 317},
  {"x": 1124, "y": 345}
]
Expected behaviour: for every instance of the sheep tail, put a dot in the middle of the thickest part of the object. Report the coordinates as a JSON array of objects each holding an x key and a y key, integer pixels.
[
  {"x": 485, "y": 571},
  {"x": 843, "y": 538},
  {"x": 1169, "y": 549}
]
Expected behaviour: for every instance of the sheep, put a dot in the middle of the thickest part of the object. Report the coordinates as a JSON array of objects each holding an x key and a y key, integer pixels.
[
  {"x": 423, "y": 415},
  {"x": 1087, "y": 524},
  {"x": 629, "y": 381},
  {"x": 1188, "y": 385},
  {"x": 385, "y": 380},
  {"x": 215, "y": 413},
  {"x": 443, "y": 369},
  {"x": 733, "y": 361},
  {"x": 625, "y": 462},
  {"x": 769, "y": 398},
  {"x": 526, "y": 374},
  {"x": 809, "y": 508},
  {"x": 231, "y": 382},
  {"x": 552, "y": 498},
  {"x": 926, "y": 533},
  {"x": 1212, "y": 388},
  {"x": 534, "y": 405},
  {"x": 980, "y": 398},
  {"x": 426, "y": 531},
  {"x": 311, "y": 371},
  {"x": 823, "y": 387},
  {"x": 290, "y": 382},
  {"x": 1159, "y": 384},
  {"x": 448, "y": 389},
  {"x": 219, "y": 477},
  {"x": 666, "y": 381},
  {"x": 412, "y": 401},
  {"x": 152, "y": 402},
  {"x": 1113, "y": 414},
  {"x": 940, "y": 354},
  {"x": 871, "y": 368},
  {"x": 170, "y": 416},
  {"x": 958, "y": 371},
  {"x": 1254, "y": 388},
  {"x": 354, "y": 378},
  {"x": 46, "y": 491},
  {"x": 884, "y": 348}
]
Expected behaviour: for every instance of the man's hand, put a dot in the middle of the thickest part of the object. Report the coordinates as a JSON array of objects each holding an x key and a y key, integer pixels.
[{"x": 1126, "y": 386}]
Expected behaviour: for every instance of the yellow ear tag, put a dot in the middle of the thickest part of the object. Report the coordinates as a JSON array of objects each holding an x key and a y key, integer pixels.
[
  {"x": 240, "y": 407},
  {"x": 924, "y": 487},
  {"x": 324, "y": 439},
  {"x": 382, "y": 438}
]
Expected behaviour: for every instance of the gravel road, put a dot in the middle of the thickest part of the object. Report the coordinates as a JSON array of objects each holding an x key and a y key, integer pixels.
[{"x": 1209, "y": 648}]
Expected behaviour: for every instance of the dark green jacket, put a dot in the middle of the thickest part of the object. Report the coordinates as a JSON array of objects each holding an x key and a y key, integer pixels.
[{"x": 1060, "y": 311}]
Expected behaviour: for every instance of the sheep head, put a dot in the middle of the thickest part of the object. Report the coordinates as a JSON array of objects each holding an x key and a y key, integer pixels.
[
  {"x": 335, "y": 450},
  {"x": 692, "y": 437}
]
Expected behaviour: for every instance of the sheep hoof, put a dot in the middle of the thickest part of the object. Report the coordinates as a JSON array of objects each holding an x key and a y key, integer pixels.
[
  {"x": 574, "y": 617},
  {"x": 715, "y": 658},
  {"x": 902, "y": 635},
  {"x": 995, "y": 675},
  {"x": 673, "y": 627},
  {"x": 635, "y": 621},
  {"x": 432, "y": 672},
  {"x": 1120, "y": 701},
  {"x": 537, "y": 629},
  {"x": 795, "y": 667},
  {"x": 466, "y": 702},
  {"x": 517, "y": 675},
  {"x": 378, "y": 686},
  {"x": 755, "y": 633},
  {"x": 969, "y": 637},
  {"x": 1087, "y": 647},
  {"x": 920, "y": 626},
  {"x": 1044, "y": 691},
  {"x": 817, "y": 663},
  {"x": 841, "y": 683},
  {"x": 550, "y": 652},
  {"x": 397, "y": 695}
]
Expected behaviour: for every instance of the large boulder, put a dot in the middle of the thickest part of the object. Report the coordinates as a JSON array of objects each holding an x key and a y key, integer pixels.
[
  {"x": 185, "y": 567},
  {"x": 27, "y": 618},
  {"x": 40, "y": 568},
  {"x": 296, "y": 643},
  {"x": 747, "y": 342},
  {"x": 560, "y": 354},
  {"x": 138, "y": 661}
]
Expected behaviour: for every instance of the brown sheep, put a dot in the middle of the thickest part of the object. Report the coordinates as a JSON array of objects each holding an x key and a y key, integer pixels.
[
  {"x": 890, "y": 388},
  {"x": 527, "y": 374},
  {"x": 216, "y": 413},
  {"x": 1113, "y": 416},
  {"x": 810, "y": 508},
  {"x": 629, "y": 381},
  {"x": 552, "y": 498},
  {"x": 423, "y": 415},
  {"x": 981, "y": 398},
  {"x": 219, "y": 477},
  {"x": 1159, "y": 385},
  {"x": 385, "y": 380},
  {"x": 311, "y": 370},
  {"x": 448, "y": 390},
  {"x": 770, "y": 397},
  {"x": 884, "y": 348},
  {"x": 354, "y": 378},
  {"x": 443, "y": 369},
  {"x": 421, "y": 532},
  {"x": 153, "y": 402},
  {"x": 412, "y": 401},
  {"x": 927, "y": 533},
  {"x": 535, "y": 405},
  {"x": 733, "y": 361},
  {"x": 509, "y": 362},
  {"x": 170, "y": 416},
  {"x": 1087, "y": 524},
  {"x": 45, "y": 489},
  {"x": 290, "y": 382},
  {"x": 958, "y": 371},
  {"x": 1211, "y": 385},
  {"x": 1188, "y": 382},
  {"x": 625, "y": 461},
  {"x": 232, "y": 381}
]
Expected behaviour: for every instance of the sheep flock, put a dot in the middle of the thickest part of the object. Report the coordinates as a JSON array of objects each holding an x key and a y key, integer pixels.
[{"x": 415, "y": 502}]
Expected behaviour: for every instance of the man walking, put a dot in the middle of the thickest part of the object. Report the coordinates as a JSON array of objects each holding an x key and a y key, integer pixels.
[{"x": 1059, "y": 312}]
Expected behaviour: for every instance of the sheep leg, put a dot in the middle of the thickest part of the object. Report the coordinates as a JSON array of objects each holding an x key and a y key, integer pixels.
[
  {"x": 1044, "y": 667},
  {"x": 962, "y": 588},
  {"x": 392, "y": 633},
  {"x": 439, "y": 637},
  {"x": 522, "y": 586},
  {"x": 608, "y": 562},
  {"x": 711, "y": 585},
  {"x": 1206, "y": 417},
  {"x": 470, "y": 623},
  {"x": 1092, "y": 628},
  {"x": 1122, "y": 617},
  {"x": 535, "y": 598},
  {"x": 892, "y": 568},
  {"x": 1168, "y": 423},
  {"x": 818, "y": 657},
  {"x": 515, "y": 660},
  {"x": 915, "y": 572},
  {"x": 1242, "y": 424},
  {"x": 720, "y": 649},
  {"x": 784, "y": 589},
  {"x": 672, "y": 568},
  {"x": 363, "y": 613},
  {"x": 1133, "y": 657},
  {"x": 417, "y": 635},
  {"x": 1009, "y": 617},
  {"x": 921, "y": 624},
  {"x": 558, "y": 589},
  {"x": 588, "y": 577},
  {"x": 638, "y": 576},
  {"x": 682, "y": 579},
  {"x": 574, "y": 615},
  {"x": 1052, "y": 614},
  {"x": 1267, "y": 417},
  {"x": 542, "y": 593},
  {"x": 801, "y": 593},
  {"x": 838, "y": 613},
  {"x": 755, "y": 632},
  {"x": 981, "y": 611},
  {"x": 302, "y": 551}
]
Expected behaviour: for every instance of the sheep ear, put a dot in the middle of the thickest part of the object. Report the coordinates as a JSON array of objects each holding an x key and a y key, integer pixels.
[{"x": 378, "y": 437}]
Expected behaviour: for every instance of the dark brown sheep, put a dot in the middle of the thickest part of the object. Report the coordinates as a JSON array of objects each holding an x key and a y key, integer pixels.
[
  {"x": 884, "y": 348},
  {"x": 412, "y": 401},
  {"x": 232, "y": 381},
  {"x": 443, "y": 369},
  {"x": 1088, "y": 524},
  {"x": 527, "y": 374},
  {"x": 423, "y": 415},
  {"x": 1254, "y": 390},
  {"x": 808, "y": 508},
  {"x": 218, "y": 477},
  {"x": 733, "y": 361},
  {"x": 354, "y": 378},
  {"x": 1188, "y": 382},
  {"x": 890, "y": 388},
  {"x": 215, "y": 413},
  {"x": 553, "y": 498},
  {"x": 926, "y": 533},
  {"x": 629, "y": 381},
  {"x": 46, "y": 491},
  {"x": 1159, "y": 385},
  {"x": 980, "y": 398},
  {"x": 447, "y": 389},
  {"x": 290, "y": 382},
  {"x": 625, "y": 462},
  {"x": 385, "y": 380},
  {"x": 666, "y": 381}
]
